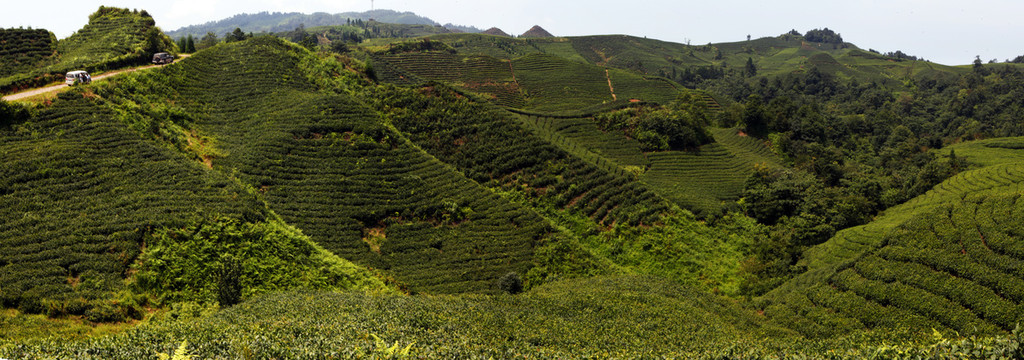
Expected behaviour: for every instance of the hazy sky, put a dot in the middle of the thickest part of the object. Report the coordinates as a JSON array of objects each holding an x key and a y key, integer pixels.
[{"x": 944, "y": 31}]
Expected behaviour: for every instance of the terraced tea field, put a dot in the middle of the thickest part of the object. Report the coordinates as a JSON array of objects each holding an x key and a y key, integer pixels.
[
  {"x": 581, "y": 137},
  {"x": 80, "y": 190},
  {"x": 950, "y": 258},
  {"x": 697, "y": 180},
  {"x": 702, "y": 180},
  {"x": 494, "y": 146},
  {"x": 509, "y": 48},
  {"x": 327, "y": 164},
  {"x": 488, "y": 76},
  {"x": 538, "y": 82},
  {"x": 21, "y": 49}
]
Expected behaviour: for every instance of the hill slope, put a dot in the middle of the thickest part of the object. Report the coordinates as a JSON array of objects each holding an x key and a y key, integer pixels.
[
  {"x": 536, "y": 82},
  {"x": 84, "y": 193},
  {"x": 113, "y": 38},
  {"x": 948, "y": 258},
  {"x": 328, "y": 164}
]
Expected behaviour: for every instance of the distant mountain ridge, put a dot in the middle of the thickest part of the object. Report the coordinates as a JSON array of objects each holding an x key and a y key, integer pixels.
[{"x": 278, "y": 22}]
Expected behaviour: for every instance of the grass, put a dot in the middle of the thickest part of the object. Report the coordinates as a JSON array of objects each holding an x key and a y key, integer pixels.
[{"x": 18, "y": 326}]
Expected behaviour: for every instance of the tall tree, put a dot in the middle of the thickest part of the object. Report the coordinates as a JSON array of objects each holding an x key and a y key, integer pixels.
[
  {"x": 749, "y": 68},
  {"x": 236, "y": 35},
  {"x": 208, "y": 40}
]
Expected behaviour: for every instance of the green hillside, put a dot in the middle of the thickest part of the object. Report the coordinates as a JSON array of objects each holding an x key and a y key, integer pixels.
[
  {"x": 693, "y": 64},
  {"x": 592, "y": 200},
  {"x": 347, "y": 191},
  {"x": 772, "y": 56},
  {"x": 84, "y": 194},
  {"x": 702, "y": 180},
  {"x": 705, "y": 179},
  {"x": 948, "y": 259},
  {"x": 536, "y": 82},
  {"x": 328, "y": 164},
  {"x": 114, "y": 38}
]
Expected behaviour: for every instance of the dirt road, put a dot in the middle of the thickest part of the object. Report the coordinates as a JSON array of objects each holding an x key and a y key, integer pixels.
[{"x": 62, "y": 86}]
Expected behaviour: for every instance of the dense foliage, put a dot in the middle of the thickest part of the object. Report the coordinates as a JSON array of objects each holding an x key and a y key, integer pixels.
[
  {"x": 223, "y": 259},
  {"x": 680, "y": 126},
  {"x": 823, "y": 36},
  {"x": 563, "y": 319},
  {"x": 857, "y": 149}
]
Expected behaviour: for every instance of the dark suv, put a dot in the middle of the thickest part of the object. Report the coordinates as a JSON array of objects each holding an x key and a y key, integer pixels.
[{"x": 163, "y": 58}]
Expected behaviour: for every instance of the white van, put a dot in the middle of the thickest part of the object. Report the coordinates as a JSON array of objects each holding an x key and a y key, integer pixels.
[{"x": 76, "y": 77}]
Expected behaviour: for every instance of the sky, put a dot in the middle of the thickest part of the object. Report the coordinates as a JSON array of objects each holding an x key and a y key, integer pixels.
[{"x": 950, "y": 32}]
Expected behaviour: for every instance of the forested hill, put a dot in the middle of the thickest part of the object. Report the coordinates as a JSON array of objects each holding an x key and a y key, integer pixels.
[{"x": 278, "y": 22}]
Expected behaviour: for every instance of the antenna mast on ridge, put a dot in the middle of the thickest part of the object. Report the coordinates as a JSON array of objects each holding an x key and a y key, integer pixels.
[{"x": 371, "y": 5}]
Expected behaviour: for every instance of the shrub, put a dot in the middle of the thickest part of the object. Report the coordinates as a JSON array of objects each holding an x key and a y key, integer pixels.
[
  {"x": 11, "y": 113},
  {"x": 511, "y": 283},
  {"x": 229, "y": 287},
  {"x": 111, "y": 311}
]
